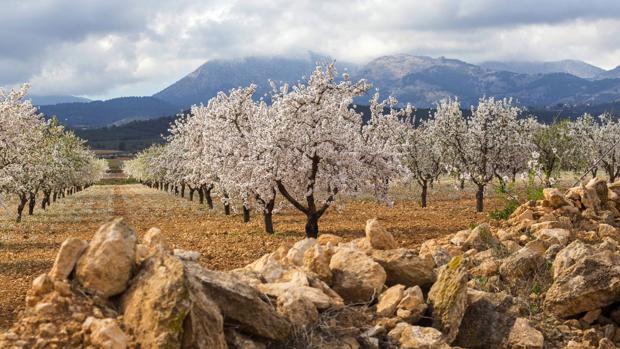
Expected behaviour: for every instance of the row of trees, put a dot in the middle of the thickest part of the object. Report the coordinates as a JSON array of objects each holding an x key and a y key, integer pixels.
[
  {"x": 38, "y": 157},
  {"x": 310, "y": 146}
]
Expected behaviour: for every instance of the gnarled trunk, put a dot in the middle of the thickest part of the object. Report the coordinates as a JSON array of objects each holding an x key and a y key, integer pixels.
[
  {"x": 226, "y": 205},
  {"x": 191, "y": 194},
  {"x": 312, "y": 226},
  {"x": 480, "y": 198},
  {"x": 424, "y": 193},
  {"x": 31, "y": 203},
  {"x": 23, "y": 199},
  {"x": 246, "y": 214}
]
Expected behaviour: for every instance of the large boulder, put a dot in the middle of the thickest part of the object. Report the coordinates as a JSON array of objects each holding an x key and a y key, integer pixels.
[
  {"x": 316, "y": 260},
  {"x": 203, "y": 325},
  {"x": 487, "y": 320},
  {"x": 70, "y": 250},
  {"x": 157, "y": 302},
  {"x": 406, "y": 336},
  {"x": 585, "y": 278},
  {"x": 106, "y": 266},
  {"x": 448, "y": 297},
  {"x": 405, "y": 267},
  {"x": 356, "y": 277},
  {"x": 240, "y": 304},
  {"x": 378, "y": 237}
]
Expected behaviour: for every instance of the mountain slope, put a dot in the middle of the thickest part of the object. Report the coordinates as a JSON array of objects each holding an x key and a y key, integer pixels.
[
  {"x": 569, "y": 66},
  {"x": 103, "y": 113},
  {"x": 50, "y": 100},
  {"x": 222, "y": 75}
]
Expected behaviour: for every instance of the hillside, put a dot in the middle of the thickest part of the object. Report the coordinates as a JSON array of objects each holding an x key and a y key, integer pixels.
[{"x": 104, "y": 113}]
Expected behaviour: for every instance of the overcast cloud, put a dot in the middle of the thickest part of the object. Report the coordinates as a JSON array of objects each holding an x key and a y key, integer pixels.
[{"x": 110, "y": 48}]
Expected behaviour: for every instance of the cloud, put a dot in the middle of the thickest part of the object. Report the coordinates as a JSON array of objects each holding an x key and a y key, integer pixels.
[{"x": 110, "y": 48}]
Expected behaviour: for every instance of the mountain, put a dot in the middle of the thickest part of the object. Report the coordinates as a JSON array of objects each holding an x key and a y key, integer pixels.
[
  {"x": 611, "y": 74},
  {"x": 569, "y": 66},
  {"x": 423, "y": 81},
  {"x": 50, "y": 100},
  {"x": 104, "y": 113},
  {"x": 222, "y": 75}
]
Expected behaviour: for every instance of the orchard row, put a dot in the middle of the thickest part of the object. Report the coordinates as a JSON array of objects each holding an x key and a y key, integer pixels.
[
  {"x": 311, "y": 147},
  {"x": 38, "y": 157}
]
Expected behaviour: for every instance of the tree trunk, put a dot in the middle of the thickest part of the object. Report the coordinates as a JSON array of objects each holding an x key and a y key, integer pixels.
[
  {"x": 209, "y": 198},
  {"x": 182, "y": 190},
  {"x": 32, "y": 202},
  {"x": 246, "y": 214},
  {"x": 176, "y": 190},
  {"x": 268, "y": 216},
  {"x": 226, "y": 205},
  {"x": 312, "y": 226},
  {"x": 201, "y": 195},
  {"x": 424, "y": 193},
  {"x": 480, "y": 198},
  {"x": 20, "y": 207},
  {"x": 462, "y": 184},
  {"x": 46, "y": 199},
  {"x": 191, "y": 194}
]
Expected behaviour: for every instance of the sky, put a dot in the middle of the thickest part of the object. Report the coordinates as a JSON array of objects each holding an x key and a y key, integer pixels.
[{"x": 109, "y": 48}]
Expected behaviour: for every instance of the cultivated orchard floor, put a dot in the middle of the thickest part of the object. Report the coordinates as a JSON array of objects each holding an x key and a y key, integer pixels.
[{"x": 28, "y": 249}]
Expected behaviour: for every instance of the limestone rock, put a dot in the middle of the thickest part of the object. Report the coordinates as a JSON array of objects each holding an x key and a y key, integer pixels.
[
  {"x": 405, "y": 267},
  {"x": 481, "y": 239},
  {"x": 448, "y": 297},
  {"x": 106, "y": 266},
  {"x": 487, "y": 320},
  {"x": 157, "y": 302},
  {"x": 203, "y": 327},
  {"x": 554, "y": 236},
  {"x": 70, "y": 250},
  {"x": 437, "y": 253},
  {"x": 238, "y": 340},
  {"x": 606, "y": 230},
  {"x": 356, "y": 277},
  {"x": 295, "y": 255},
  {"x": 378, "y": 237},
  {"x": 192, "y": 256},
  {"x": 554, "y": 197},
  {"x": 324, "y": 239},
  {"x": 412, "y": 306},
  {"x": 105, "y": 333},
  {"x": 524, "y": 336},
  {"x": 415, "y": 337},
  {"x": 316, "y": 260},
  {"x": 523, "y": 263},
  {"x": 585, "y": 278},
  {"x": 240, "y": 303},
  {"x": 389, "y": 300},
  {"x": 299, "y": 310},
  {"x": 268, "y": 266}
]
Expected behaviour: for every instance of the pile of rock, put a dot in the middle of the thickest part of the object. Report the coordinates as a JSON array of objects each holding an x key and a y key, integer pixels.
[{"x": 549, "y": 277}]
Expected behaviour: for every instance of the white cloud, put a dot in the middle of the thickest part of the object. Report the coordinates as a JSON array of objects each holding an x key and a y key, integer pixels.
[{"x": 110, "y": 48}]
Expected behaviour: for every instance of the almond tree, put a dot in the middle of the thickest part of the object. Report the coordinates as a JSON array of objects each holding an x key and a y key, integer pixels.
[
  {"x": 319, "y": 146},
  {"x": 599, "y": 142},
  {"x": 423, "y": 156},
  {"x": 477, "y": 145}
]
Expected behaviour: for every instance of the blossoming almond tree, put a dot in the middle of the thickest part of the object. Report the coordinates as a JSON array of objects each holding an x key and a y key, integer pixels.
[
  {"x": 319, "y": 146},
  {"x": 477, "y": 145},
  {"x": 599, "y": 143}
]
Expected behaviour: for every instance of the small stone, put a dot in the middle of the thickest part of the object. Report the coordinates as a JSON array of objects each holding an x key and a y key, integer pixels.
[
  {"x": 378, "y": 237},
  {"x": 70, "y": 250},
  {"x": 389, "y": 300},
  {"x": 522, "y": 335}
]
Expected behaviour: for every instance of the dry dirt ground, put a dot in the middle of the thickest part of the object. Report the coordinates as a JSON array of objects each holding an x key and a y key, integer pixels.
[{"x": 28, "y": 249}]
